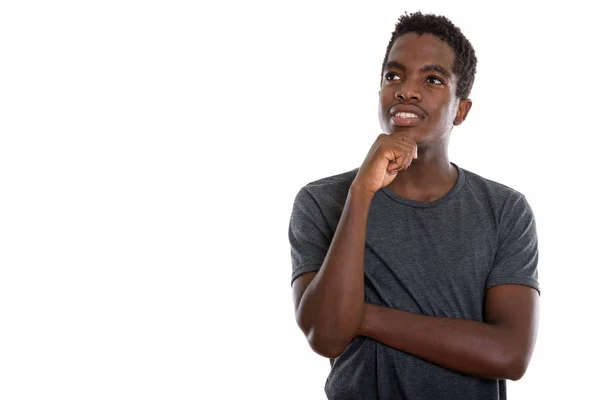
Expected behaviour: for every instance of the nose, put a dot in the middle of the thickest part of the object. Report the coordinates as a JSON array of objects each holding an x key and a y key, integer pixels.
[{"x": 407, "y": 93}]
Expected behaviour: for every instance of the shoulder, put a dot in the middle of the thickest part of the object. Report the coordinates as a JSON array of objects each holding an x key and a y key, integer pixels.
[
  {"x": 496, "y": 192},
  {"x": 506, "y": 202},
  {"x": 336, "y": 182},
  {"x": 328, "y": 191}
]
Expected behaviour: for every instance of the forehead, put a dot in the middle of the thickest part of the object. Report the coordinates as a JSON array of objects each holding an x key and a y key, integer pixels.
[{"x": 414, "y": 50}]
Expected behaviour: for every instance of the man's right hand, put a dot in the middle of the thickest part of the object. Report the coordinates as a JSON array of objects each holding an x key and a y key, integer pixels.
[
  {"x": 329, "y": 303},
  {"x": 389, "y": 155}
]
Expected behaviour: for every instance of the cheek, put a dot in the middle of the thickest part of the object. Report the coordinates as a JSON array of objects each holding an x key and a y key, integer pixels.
[
  {"x": 383, "y": 97},
  {"x": 447, "y": 114},
  {"x": 386, "y": 99},
  {"x": 382, "y": 111},
  {"x": 383, "y": 104}
]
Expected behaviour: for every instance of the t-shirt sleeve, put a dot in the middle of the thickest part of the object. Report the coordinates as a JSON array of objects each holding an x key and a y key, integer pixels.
[
  {"x": 309, "y": 234},
  {"x": 517, "y": 255}
]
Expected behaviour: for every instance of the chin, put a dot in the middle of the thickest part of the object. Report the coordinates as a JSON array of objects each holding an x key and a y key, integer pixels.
[{"x": 408, "y": 131}]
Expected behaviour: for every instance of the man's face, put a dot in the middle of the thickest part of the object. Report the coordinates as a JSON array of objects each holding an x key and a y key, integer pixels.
[{"x": 417, "y": 97}]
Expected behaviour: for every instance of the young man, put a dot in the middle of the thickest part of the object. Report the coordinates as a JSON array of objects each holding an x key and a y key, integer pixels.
[{"x": 417, "y": 278}]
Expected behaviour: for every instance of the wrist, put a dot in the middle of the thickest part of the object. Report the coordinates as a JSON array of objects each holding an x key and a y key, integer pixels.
[
  {"x": 364, "y": 323},
  {"x": 357, "y": 191}
]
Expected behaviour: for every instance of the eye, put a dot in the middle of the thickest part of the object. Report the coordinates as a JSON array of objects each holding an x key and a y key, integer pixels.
[
  {"x": 435, "y": 80},
  {"x": 392, "y": 76}
]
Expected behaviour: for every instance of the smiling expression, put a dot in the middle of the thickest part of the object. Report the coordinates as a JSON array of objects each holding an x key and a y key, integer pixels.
[{"x": 418, "y": 90}]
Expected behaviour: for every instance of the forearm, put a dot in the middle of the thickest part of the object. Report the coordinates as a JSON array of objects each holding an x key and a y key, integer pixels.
[
  {"x": 331, "y": 308},
  {"x": 469, "y": 347}
]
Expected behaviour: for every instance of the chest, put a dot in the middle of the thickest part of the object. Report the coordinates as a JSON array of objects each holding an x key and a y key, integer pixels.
[{"x": 433, "y": 262}]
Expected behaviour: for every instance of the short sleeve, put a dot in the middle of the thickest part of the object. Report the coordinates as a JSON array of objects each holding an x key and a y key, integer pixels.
[
  {"x": 516, "y": 259},
  {"x": 309, "y": 234}
]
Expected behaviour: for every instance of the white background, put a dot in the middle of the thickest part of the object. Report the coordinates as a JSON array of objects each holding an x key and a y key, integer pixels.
[{"x": 150, "y": 153}]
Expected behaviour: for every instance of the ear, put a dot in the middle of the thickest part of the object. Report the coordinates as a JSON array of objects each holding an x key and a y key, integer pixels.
[{"x": 464, "y": 105}]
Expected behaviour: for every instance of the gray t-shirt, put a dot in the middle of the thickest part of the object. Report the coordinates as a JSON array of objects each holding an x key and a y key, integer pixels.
[{"x": 434, "y": 259}]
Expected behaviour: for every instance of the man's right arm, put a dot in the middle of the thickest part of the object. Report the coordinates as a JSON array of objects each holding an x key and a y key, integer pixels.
[{"x": 329, "y": 303}]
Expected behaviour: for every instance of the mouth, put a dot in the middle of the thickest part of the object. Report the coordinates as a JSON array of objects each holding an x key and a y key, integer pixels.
[{"x": 406, "y": 115}]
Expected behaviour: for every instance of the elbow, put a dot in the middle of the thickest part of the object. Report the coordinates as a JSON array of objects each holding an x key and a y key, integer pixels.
[
  {"x": 328, "y": 346},
  {"x": 516, "y": 366},
  {"x": 516, "y": 370},
  {"x": 512, "y": 360},
  {"x": 326, "y": 340},
  {"x": 321, "y": 340}
]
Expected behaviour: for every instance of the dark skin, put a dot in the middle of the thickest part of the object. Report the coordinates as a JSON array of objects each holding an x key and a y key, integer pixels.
[
  {"x": 412, "y": 158},
  {"x": 418, "y": 73}
]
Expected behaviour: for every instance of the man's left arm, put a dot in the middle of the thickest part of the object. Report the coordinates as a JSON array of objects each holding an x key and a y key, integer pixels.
[{"x": 498, "y": 348}]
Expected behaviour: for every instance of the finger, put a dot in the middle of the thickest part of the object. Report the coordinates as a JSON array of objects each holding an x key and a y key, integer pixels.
[
  {"x": 405, "y": 144},
  {"x": 407, "y": 160},
  {"x": 393, "y": 167},
  {"x": 401, "y": 161},
  {"x": 401, "y": 157},
  {"x": 409, "y": 148},
  {"x": 404, "y": 151}
]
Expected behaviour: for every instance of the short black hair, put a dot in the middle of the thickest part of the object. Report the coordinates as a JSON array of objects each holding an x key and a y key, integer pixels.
[{"x": 465, "y": 61}]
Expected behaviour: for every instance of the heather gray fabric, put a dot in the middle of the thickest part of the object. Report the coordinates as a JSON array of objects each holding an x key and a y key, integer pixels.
[{"x": 434, "y": 259}]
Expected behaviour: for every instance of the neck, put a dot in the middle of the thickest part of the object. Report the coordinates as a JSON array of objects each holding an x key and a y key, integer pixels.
[{"x": 429, "y": 177}]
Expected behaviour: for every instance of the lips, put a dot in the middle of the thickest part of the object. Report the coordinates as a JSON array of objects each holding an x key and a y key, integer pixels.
[{"x": 406, "y": 115}]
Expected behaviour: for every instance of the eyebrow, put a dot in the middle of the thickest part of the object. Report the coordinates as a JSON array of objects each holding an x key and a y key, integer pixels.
[{"x": 425, "y": 68}]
